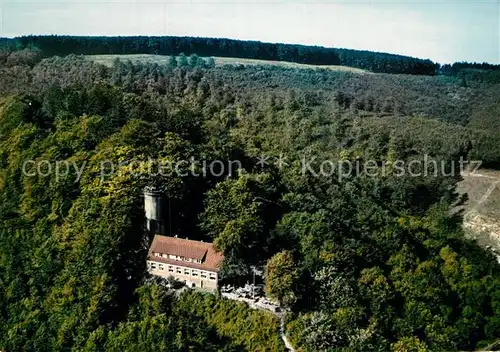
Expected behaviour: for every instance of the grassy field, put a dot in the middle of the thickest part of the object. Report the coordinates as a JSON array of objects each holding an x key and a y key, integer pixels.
[
  {"x": 219, "y": 61},
  {"x": 235, "y": 61}
]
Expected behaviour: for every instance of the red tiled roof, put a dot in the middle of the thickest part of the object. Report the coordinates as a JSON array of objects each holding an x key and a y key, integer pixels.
[
  {"x": 205, "y": 251},
  {"x": 181, "y": 247}
]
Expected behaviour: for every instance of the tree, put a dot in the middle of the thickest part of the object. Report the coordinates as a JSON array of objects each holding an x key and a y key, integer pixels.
[
  {"x": 194, "y": 60},
  {"x": 24, "y": 57},
  {"x": 210, "y": 62},
  {"x": 182, "y": 60},
  {"x": 172, "y": 61},
  {"x": 238, "y": 215},
  {"x": 281, "y": 275},
  {"x": 409, "y": 344}
]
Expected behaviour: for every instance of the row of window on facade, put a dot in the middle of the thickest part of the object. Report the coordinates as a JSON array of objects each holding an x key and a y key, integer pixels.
[
  {"x": 177, "y": 257},
  {"x": 182, "y": 271}
]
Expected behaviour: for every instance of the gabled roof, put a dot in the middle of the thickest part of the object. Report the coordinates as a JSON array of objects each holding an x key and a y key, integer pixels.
[
  {"x": 205, "y": 251},
  {"x": 181, "y": 247}
]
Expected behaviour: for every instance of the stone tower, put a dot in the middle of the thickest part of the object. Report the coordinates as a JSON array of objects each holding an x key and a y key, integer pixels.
[{"x": 153, "y": 207}]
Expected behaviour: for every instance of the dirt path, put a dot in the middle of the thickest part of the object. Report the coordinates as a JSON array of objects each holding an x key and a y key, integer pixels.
[
  {"x": 475, "y": 174},
  {"x": 282, "y": 333}
]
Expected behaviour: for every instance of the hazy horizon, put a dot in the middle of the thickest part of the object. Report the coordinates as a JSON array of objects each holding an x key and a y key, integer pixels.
[{"x": 445, "y": 32}]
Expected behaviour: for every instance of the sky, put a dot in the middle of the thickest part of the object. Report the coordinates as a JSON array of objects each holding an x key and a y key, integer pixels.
[{"x": 443, "y": 31}]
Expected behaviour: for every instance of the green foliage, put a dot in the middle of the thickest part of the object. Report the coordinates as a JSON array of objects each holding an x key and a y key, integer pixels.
[
  {"x": 378, "y": 261},
  {"x": 251, "y": 329},
  {"x": 160, "y": 322},
  {"x": 172, "y": 62},
  {"x": 281, "y": 275},
  {"x": 165, "y": 45},
  {"x": 238, "y": 213},
  {"x": 210, "y": 62},
  {"x": 409, "y": 344},
  {"x": 182, "y": 60}
]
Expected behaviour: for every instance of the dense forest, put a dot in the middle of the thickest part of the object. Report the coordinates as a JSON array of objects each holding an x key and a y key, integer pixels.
[{"x": 364, "y": 262}]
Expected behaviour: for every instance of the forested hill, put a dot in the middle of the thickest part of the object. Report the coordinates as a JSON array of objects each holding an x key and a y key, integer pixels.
[
  {"x": 352, "y": 228},
  {"x": 169, "y": 45}
]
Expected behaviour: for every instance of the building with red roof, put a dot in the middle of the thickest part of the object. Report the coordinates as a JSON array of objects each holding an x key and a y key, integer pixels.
[{"x": 195, "y": 263}]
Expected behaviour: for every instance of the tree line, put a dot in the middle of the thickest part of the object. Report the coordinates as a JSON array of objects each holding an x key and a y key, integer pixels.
[{"x": 168, "y": 45}]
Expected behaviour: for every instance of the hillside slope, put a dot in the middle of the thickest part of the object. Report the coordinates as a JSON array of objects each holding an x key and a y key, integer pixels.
[
  {"x": 481, "y": 213},
  {"x": 221, "y": 47},
  {"x": 366, "y": 258}
]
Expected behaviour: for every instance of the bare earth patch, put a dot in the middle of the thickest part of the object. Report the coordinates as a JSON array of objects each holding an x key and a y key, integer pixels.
[{"x": 482, "y": 210}]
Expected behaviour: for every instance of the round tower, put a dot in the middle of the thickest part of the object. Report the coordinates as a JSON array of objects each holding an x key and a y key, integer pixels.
[{"x": 153, "y": 207}]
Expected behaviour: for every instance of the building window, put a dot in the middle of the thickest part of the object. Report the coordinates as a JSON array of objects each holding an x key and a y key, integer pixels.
[
  {"x": 195, "y": 273},
  {"x": 178, "y": 271},
  {"x": 160, "y": 266},
  {"x": 203, "y": 275},
  {"x": 164, "y": 255},
  {"x": 213, "y": 277},
  {"x": 186, "y": 272},
  {"x": 157, "y": 254},
  {"x": 153, "y": 266},
  {"x": 170, "y": 269}
]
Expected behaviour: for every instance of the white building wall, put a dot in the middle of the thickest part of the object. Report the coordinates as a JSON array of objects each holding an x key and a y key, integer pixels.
[{"x": 192, "y": 277}]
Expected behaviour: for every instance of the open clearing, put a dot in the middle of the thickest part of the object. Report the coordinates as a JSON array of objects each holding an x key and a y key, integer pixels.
[{"x": 219, "y": 61}]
